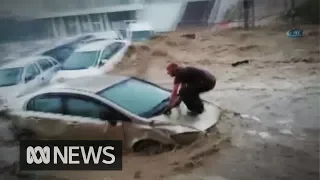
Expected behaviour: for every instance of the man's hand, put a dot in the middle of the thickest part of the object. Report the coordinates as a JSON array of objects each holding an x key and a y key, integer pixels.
[{"x": 167, "y": 110}]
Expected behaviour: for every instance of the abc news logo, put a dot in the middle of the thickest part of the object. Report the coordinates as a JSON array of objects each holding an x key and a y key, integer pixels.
[{"x": 70, "y": 155}]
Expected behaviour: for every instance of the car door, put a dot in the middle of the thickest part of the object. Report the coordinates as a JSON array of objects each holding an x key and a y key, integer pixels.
[
  {"x": 31, "y": 79},
  {"x": 48, "y": 70},
  {"x": 93, "y": 119},
  {"x": 46, "y": 118}
]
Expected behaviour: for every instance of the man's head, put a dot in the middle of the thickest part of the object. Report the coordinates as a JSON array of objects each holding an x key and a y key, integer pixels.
[{"x": 172, "y": 69}]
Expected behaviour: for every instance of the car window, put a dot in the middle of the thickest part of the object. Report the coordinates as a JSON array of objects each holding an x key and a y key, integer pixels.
[
  {"x": 85, "y": 107},
  {"x": 136, "y": 96},
  {"x": 31, "y": 72},
  {"x": 64, "y": 53},
  {"x": 37, "y": 68},
  {"x": 44, "y": 64},
  {"x": 107, "y": 53},
  {"x": 46, "y": 103},
  {"x": 10, "y": 76},
  {"x": 112, "y": 49},
  {"x": 81, "y": 60},
  {"x": 53, "y": 62},
  {"x": 60, "y": 53},
  {"x": 117, "y": 46}
]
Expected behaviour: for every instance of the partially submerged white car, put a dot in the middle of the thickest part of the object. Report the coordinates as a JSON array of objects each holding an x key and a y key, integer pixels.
[
  {"x": 94, "y": 58},
  {"x": 110, "y": 107},
  {"x": 139, "y": 31},
  {"x": 25, "y": 75}
]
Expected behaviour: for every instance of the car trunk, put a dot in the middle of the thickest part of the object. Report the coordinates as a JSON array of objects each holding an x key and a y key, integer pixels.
[{"x": 201, "y": 122}]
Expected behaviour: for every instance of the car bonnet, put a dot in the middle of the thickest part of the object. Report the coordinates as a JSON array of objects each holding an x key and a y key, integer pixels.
[{"x": 201, "y": 122}]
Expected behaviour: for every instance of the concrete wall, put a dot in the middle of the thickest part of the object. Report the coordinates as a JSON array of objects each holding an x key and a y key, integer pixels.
[{"x": 163, "y": 16}]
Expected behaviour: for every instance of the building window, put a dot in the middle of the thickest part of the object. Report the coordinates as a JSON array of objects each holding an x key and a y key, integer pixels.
[
  {"x": 71, "y": 25},
  {"x": 97, "y": 22},
  {"x": 85, "y": 24},
  {"x": 59, "y": 27}
]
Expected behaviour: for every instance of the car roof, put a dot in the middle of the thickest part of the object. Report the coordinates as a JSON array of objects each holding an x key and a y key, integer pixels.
[
  {"x": 91, "y": 84},
  {"x": 96, "y": 46},
  {"x": 22, "y": 62}
]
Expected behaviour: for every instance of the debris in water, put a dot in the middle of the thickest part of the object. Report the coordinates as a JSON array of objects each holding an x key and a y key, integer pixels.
[
  {"x": 264, "y": 135},
  {"x": 284, "y": 122},
  {"x": 286, "y": 131},
  {"x": 245, "y": 116},
  {"x": 189, "y": 36},
  {"x": 251, "y": 132},
  {"x": 256, "y": 119},
  {"x": 137, "y": 175},
  {"x": 239, "y": 63}
]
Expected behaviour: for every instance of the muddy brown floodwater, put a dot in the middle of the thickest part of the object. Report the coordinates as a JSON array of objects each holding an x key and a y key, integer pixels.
[{"x": 270, "y": 127}]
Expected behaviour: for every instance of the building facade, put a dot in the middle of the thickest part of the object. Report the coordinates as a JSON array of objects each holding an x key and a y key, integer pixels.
[{"x": 60, "y": 18}]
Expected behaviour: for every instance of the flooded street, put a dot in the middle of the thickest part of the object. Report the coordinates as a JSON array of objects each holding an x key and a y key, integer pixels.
[{"x": 269, "y": 129}]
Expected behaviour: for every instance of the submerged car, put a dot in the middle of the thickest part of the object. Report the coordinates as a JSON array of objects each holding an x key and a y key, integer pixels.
[
  {"x": 139, "y": 31},
  {"x": 25, "y": 75},
  {"x": 113, "y": 108},
  {"x": 62, "y": 49},
  {"x": 94, "y": 58}
]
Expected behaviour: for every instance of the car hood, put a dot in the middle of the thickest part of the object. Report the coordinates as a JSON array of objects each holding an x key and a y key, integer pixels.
[
  {"x": 70, "y": 74},
  {"x": 200, "y": 122}
]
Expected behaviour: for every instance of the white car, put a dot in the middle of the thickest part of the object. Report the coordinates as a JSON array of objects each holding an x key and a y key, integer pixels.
[
  {"x": 25, "y": 75},
  {"x": 110, "y": 107},
  {"x": 94, "y": 58},
  {"x": 139, "y": 31}
]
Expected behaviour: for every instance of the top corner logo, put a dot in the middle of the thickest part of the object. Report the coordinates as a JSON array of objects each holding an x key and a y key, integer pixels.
[{"x": 294, "y": 33}]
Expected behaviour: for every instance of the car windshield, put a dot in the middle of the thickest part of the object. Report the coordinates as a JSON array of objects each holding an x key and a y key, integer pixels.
[
  {"x": 10, "y": 76},
  {"x": 81, "y": 60},
  {"x": 138, "y": 97},
  {"x": 141, "y": 35}
]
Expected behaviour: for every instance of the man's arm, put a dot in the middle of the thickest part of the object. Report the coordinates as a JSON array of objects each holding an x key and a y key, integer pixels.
[{"x": 174, "y": 95}]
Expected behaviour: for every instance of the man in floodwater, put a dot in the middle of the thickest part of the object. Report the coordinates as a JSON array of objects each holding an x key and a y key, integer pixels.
[{"x": 192, "y": 82}]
